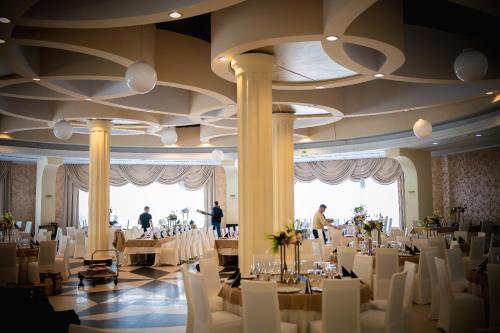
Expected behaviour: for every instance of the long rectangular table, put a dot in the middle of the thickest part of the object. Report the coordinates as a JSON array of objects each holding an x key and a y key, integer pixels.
[{"x": 144, "y": 246}]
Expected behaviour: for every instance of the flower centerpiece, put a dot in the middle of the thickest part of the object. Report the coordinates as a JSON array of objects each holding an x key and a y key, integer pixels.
[
  {"x": 457, "y": 213},
  {"x": 7, "y": 224},
  {"x": 360, "y": 215},
  {"x": 368, "y": 227},
  {"x": 432, "y": 221},
  {"x": 283, "y": 238},
  {"x": 172, "y": 216},
  {"x": 185, "y": 213}
]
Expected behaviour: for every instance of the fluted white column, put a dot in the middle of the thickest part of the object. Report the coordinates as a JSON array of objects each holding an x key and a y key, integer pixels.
[
  {"x": 255, "y": 165},
  {"x": 283, "y": 173},
  {"x": 99, "y": 164}
]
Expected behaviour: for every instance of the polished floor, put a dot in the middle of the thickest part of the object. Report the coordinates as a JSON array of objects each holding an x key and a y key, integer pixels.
[{"x": 148, "y": 300}]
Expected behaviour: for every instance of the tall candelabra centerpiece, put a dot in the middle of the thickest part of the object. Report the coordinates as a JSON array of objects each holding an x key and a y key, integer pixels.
[
  {"x": 279, "y": 243},
  {"x": 6, "y": 225}
]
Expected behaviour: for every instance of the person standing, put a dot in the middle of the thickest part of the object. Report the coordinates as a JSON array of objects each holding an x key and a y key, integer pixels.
[
  {"x": 217, "y": 215},
  {"x": 145, "y": 219},
  {"x": 319, "y": 222}
]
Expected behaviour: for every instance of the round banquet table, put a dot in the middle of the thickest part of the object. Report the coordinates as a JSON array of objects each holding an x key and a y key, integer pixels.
[
  {"x": 144, "y": 246},
  {"x": 298, "y": 308}
]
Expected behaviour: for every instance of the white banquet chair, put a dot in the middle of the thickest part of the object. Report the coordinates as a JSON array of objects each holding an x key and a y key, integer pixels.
[
  {"x": 62, "y": 258},
  {"x": 335, "y": 236},
  {"x": 19, "y": 224},
  {"x": 391, "y": 320},
  {"x": 458, "y": 312},
  {"x": 260, "y": 308},
  {"x": 420, "y": 243},
  {"x": 386, "y": 264},
  {"x": 209, "y": 267},
  {"x": 40, "y": 236},
  {"x": 345, "y": 257},
  {"x": 46, "y": 261},
  {"x": 363, "y": 268},
  {"x": 440, "y": 244},
  {"x": 423, "y": 285},
  {"x": 80, "y": 249},
  {"x": 494, "y": 294},
  {"x": 189, "y": 298},
  {"x": 434, "y": 309},
  {"x": 169, "y": 255},
  {"x": 326, "y": 249},
  {"x": 27, "y": 227},
  {"x": 9, "y": 269},
  {"x": 456, "y": 270},
  {"x": 476, "y": 251},
  {"x": 340, "y": 304},
  {"x": 206, "y": 321}
]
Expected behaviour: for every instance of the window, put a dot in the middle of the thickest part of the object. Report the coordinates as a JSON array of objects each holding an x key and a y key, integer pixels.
[
  {"x": 128, "y": 203},
  {"x": 341, "y": 199}
]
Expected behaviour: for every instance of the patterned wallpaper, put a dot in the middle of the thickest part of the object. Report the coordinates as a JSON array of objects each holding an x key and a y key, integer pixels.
[
  {"x": 468, "y": 179},
  {"x": 23, "y": 177}
]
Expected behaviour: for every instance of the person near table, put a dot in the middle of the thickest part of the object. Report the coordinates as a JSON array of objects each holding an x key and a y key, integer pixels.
[
  {"x": 320, "y": 221},
  {"x": 217, "y": 216},
  {"x": 145, "y": 219}
]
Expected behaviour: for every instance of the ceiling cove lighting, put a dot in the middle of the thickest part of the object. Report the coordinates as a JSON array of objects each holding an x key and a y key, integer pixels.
[
  {"x": 223, "y": 58},
  {"x": 88, "y": 99},
  {"x": 319, "y": 87},
  {"x": 331, "y": 38},
  {"x": 478, "y": 135},
  {"x": 435, "y": 143},
  {"x": 489, "y": 93},
  {"x": 175, "y": 15},
  {"x": 36, "y": 79},
  {"x": 379, "y": 75}
]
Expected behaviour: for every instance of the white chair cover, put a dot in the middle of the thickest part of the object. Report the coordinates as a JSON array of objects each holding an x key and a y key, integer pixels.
[
  {"x": 80, "y": 248},
  {"x": 386, "y": 264},
  {"x": 477, "y": 251},
  {"x": 363, "y": 268},
  {"x": 423, "y": 288},
  {"x": 345, "y": 257},
  {"x": 494, "y": 294},
  {"x": 46, "y": 261},
  {"x": 456, "y": 271},
  {"x": 8, "y": 263},
  {"x": 440, "y": 244},
  {"x": 189, "y": 298},
  {"x": 27, "y": 227},
  {"x": 209, "y": 267},
  {"x": 430, "y": 258}
]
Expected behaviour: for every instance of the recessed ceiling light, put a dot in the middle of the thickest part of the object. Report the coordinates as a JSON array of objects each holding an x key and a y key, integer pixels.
[
  {"x": 175, "y": 15},
  {"x": 478, "y": 134},
  {"x": 379, "y": 75},
  {"x": 319, "y": 87},
  {"x": 338, "y": 117},
  {"x": 36, "y": 79},
  {"x": 434, "y": 143},
  {"x": 2, "y": 41},
  {"x": 223, "y": 58},
  {"x": 4, "y": 20},
  {"x": 331, "y": 38},
  {"x": 93, "y": 118},
  {"x": 231, "y": 105},
  {"x": 489, "y": 93},
  {"x": 88, "y": 98}
]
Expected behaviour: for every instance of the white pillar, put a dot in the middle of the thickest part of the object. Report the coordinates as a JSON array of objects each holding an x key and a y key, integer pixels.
[
  {"x": 283, "y": 169},
  {"x": 99, "y": 164},
  {"x": 45, "y": 205},
  {"x": 255, "y": 165}
]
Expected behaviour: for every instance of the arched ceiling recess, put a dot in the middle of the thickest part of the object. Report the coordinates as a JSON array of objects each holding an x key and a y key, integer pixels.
[{"x": 67, "y": 60}]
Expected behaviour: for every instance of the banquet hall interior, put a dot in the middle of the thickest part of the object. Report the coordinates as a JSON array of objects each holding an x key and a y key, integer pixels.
[{"x": 257, "y": 166}]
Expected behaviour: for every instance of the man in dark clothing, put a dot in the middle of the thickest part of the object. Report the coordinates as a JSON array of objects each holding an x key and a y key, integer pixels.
[
  {"x": 145, "y": 219},
  {"x": 217, "y": 215}
]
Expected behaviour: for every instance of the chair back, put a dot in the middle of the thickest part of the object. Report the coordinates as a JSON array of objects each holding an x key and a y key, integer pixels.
[
  {"x": 48, "y": 235},
  {"x": 386, "y": 263},
  {"x": 8, "y": 255},
  {"x": 201, "y": 306},
  {"x": 420, "y": 243},
  {"x": 189, "y": 298},
  {"x": 341, "y": 306},
  {"x": 394, "y": 312},
  {"x": 345, "y": 257},
  {"x": 19, "y": 224},
  {"x": 494, "y": 255},
  {"x": 210, "y": 269},
  {"x": 27, "y": 227},
  {"x": 430, "y": 257},
  {"x": 411, "y": 269},
  {"x": 463, "y": 234},
  {"x": 260, "y": 307},
  {"x": 63, "y": 242},
  {"x": 456, "y": 268},
  {"x": 80, "y": 237},
  {"x": 307, "y": 247},
  {"x": 423, "y": 268},
  {"x": 47, "y": 253},
  {"x": 335, "y": 236},
  {"x": 363, "y": 268},
  {"x": 70, "y": 232},
  {"x": 494, "y": 293},
  {"x": 440, "y": 244},
  {"x": 477, "y": 250},
  {"x": 445, "y": 292},
  {"x": 396, "y": 232}
]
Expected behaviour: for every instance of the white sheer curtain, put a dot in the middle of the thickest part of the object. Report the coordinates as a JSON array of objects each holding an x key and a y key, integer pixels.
[
  {"x": 193, "y": 177},
  {"x": 381, "y": 170}
]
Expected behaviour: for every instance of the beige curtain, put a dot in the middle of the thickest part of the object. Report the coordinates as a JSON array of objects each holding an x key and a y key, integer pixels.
[
  {"x": 192, "y": 177},
  {"x": 5, "y": 186},
  {"x": 382, "y": 170}
]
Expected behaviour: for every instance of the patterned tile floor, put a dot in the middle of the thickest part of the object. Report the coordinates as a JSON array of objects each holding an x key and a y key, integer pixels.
[{"x": 147, "y": 300}]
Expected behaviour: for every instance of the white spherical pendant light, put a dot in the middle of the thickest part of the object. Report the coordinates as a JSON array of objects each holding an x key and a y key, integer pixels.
[
  {"x": 470, "y": 65},
  {"x": 217, "y": 155},
  {"x": 63, "y": 130},
  {"x": 169, "y": 136},
  {"x": 141, "y": 77},
  {"x": 422, "y": 128}
]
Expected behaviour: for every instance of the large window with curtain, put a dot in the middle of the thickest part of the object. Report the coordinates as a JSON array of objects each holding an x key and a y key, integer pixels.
[
  {"x": 127, "y": 203},
  {"x": 341, "y": 199}
]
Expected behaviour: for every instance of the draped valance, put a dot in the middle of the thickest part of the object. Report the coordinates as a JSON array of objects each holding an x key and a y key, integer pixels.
[
  {"x": 191, "y": 177},
  {"x": 382, "y": 170}
]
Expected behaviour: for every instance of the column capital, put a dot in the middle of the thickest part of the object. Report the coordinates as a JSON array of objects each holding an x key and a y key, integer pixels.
[
  {"x": 99, "y": 124},
  {"x": 253, "y": 62}
]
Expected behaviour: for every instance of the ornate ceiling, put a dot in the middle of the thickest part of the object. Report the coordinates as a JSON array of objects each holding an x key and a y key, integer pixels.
[{"x": 67, "y": 60}]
